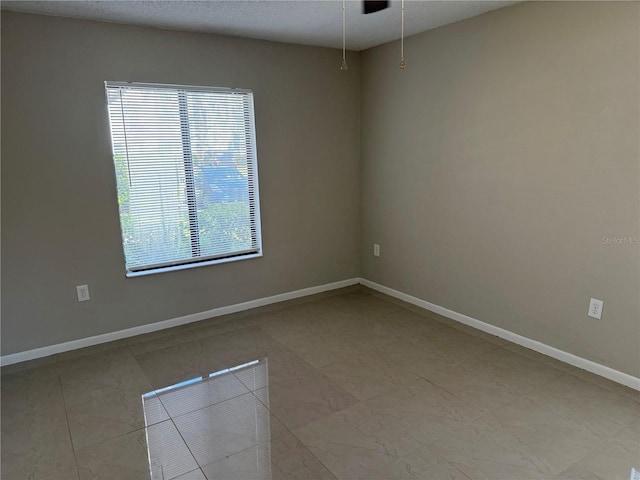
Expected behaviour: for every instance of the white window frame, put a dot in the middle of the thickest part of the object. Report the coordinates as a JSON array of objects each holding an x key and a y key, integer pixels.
[{"x": 201, "y": 261}]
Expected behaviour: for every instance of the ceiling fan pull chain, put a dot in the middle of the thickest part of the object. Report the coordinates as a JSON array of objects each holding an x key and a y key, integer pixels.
[
  {"x": 402, "y": 62},
  {"x": 344, "y": 37}
]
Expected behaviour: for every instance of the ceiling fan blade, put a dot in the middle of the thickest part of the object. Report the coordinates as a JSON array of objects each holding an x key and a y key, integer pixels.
[{"x": 372, "y": 6}]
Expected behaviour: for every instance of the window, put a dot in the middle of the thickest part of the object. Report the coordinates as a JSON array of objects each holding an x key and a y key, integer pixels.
[{"x": 185, "y": 162}]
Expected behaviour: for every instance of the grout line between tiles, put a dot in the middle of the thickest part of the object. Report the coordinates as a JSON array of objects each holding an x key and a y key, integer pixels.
[
  {"x": 314, "y": 456},
  {"x": 66, "y": 416}
]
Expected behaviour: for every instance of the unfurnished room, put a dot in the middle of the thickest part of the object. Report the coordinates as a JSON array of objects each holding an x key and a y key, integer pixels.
[{"x": 333, "y": 240}]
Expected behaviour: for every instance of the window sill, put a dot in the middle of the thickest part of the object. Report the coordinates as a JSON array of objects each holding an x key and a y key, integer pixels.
[{"x": 187, "y": 266}]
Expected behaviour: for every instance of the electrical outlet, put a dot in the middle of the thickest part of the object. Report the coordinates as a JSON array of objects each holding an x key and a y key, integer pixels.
[
  {"x": 376, "y": 250},
  {"x": 83, "y": 293},
  {"x": 595, "y": 308}
]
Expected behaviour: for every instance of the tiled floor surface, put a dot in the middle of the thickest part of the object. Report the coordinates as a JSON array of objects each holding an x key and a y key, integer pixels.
[{"x": 346, "y": 385}]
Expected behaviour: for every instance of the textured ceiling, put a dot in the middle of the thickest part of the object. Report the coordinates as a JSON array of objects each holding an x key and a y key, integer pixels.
[{"x": 305, "y": 22}]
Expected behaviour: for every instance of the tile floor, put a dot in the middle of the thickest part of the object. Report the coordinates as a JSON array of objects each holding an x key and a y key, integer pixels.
[{"x": 347, "y": 385}]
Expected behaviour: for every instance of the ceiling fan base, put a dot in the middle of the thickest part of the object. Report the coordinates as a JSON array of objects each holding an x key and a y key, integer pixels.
[{"x": 372, "y": 6}]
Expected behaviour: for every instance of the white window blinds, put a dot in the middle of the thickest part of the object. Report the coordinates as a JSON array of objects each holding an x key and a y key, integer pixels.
[{"x": 186, "y": 171}]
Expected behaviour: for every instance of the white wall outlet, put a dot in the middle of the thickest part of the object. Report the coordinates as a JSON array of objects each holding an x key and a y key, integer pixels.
[
  {"x": 83, "y": 293},
  {"x": 595, "y": 308},
  {"x": 376, "y": 250}
]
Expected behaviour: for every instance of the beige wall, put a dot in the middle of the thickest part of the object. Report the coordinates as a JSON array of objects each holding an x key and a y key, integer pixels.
[
  {"x": 494, "y": 165},
  {"x": 59, "y": 212}
]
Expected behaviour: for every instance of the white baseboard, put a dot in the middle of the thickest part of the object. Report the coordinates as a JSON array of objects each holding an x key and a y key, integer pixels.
[
  {"x": 173, "y": 322},
  {"x": 583, "y": 363}
]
